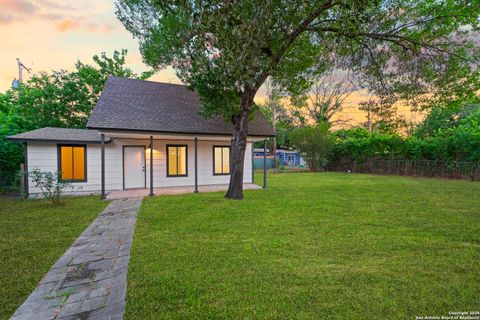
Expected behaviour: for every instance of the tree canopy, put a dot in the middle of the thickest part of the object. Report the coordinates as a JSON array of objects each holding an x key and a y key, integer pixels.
[
  {"x": 56, "y": 99},
  {"x": 221, "y": 48},
  {"x": 225, "y": 50}
]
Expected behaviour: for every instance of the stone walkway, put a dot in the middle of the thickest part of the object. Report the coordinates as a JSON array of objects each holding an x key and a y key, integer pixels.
[{"x": 89, "y": 281}]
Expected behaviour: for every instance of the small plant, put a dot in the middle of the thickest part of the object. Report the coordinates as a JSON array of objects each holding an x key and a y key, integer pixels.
[{"x": 50, "y": 184}]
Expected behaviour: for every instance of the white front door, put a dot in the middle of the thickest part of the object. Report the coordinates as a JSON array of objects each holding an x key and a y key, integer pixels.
[{"x": 134, "y": 167}]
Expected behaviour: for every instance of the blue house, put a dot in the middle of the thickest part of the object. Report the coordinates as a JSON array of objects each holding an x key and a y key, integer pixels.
[{"x": 287, "y": 158}]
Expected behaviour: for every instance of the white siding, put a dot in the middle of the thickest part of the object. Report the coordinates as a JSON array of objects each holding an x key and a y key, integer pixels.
[{"x": 43, "y": 155}]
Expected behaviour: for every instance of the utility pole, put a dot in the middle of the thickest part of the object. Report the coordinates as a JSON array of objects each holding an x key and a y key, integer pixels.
[
  {"x": 272, "y": 104},
  {"x": 16, "y": 83},
  {"x": 369, "y": 122},
  {"x": 368, "y": 106},
  {"x": 274, "y": 139},
  {"x": 21, "y": 66},
  {"x": 20, "y": 69}
]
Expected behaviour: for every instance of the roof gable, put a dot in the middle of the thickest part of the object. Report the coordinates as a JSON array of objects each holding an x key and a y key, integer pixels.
[{"x": 137, "y": 105}]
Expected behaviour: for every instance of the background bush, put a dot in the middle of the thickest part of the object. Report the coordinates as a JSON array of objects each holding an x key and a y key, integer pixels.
[
  {"x": 315, "y": 143},
  {"x": 457, "y": 141}
]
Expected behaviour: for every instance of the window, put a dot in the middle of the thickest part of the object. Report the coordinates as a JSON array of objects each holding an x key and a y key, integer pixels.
[
  {"x": 221, "y": 160},
  {"x": 176, "y": 160},
  {"x": 72, "y": 162}
]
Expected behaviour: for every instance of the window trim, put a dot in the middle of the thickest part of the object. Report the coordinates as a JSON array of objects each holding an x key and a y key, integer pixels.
[
  {"x": 229, "y": 156},
  {"x": 186, "y": 160},
  {"x": 59, "y": 162}
]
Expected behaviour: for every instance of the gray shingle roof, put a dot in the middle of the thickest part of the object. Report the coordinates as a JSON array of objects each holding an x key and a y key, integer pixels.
[
  {"x": 129, "y": 104},
  {"x": 59, "y": 134}
]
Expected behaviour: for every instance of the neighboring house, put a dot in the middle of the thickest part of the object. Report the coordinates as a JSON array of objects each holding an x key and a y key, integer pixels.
[
  {"x": 288, "y": 158},
  {"x": 115, "y": 151},
  {"x": 258, "y": 152}
]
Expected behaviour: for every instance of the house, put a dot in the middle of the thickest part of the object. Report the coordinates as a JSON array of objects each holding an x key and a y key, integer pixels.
[
  {"x": 141, "y": 135},
  {"x": 287, "y": 158},
  {"x": 260, "y": 152}
]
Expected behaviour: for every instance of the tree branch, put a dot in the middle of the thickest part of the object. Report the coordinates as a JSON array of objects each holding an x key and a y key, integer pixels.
[
  {"x": 292, "y": 36},
  {"x": 406, "y": 43}
]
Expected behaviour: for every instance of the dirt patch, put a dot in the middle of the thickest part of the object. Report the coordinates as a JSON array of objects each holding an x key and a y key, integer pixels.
[{"x": 81, "y": 272}]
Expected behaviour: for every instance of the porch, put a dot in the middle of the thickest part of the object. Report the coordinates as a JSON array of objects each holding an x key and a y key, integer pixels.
[
  {"x": 136, "y": 164},
  {"x": 140, "y": 193}
]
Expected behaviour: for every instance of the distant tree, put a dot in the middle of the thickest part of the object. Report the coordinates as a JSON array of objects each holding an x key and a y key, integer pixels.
[
  {"x": 95, "y": 76},
  {"x": 297, "y": 105},
  {"x": 382, "y": 116},
  {"x": 274, "y": 109},
  {"x": 324, "y": 100},
  {"x": 442, "y": 118},
  {"x": 275, "y": 112},
  {"x": 315, "y": 143},
  {"x": 57, "y": 99},
  {"x": 225, "y": 50}
]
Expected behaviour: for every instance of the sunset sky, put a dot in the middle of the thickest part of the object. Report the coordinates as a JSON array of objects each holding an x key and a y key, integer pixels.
[{"x": 51, "y": 35}]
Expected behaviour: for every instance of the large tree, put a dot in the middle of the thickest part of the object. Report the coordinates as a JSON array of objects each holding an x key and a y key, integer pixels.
[
  {"x": 57, "y": 99},
  {"x": 225, "y": 50},
  {"x": 324, "y": 101}
]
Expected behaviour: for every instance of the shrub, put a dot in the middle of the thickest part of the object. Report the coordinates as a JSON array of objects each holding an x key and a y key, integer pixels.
[
  {"x": 50, "y": 184},
  {"x": 315, "y": 143}
]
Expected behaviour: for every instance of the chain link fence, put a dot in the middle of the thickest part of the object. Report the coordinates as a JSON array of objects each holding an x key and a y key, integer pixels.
[
  {"x": 11, "y": 183},
  {"x": 415, "y": 168}
]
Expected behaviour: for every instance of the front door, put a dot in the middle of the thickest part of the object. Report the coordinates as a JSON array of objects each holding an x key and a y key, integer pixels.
[{"x": 133, "y": 167}]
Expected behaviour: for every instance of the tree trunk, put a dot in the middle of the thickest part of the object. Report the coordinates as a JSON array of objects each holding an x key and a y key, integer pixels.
[{"x": 240, "y": 131}]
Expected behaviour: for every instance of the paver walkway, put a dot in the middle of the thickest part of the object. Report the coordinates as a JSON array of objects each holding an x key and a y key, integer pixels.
[{"x": 89, "y": 281}]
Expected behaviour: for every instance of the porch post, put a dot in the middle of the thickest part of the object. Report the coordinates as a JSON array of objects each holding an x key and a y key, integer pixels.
[
  {"x": 151, "y": 166},
  {"x": 196, "y": 165},
  {"x": 25, "y": 170},
  {"x": 103, "y": 166},
  {"x": 264, "y": 164},
  {"x": 253, "y": 164}
]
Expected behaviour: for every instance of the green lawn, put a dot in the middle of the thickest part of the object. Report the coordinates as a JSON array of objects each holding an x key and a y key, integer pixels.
[
  {"x": 326, "y": 245},
  {"x": 33, "y": 235}
]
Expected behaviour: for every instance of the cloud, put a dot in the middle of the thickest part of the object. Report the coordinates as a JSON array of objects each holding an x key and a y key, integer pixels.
[
  {"x": 67, "y": 24},
  {"x": 107, "y": 28},
  {"x": 5, "y": 19},
  {"x": 12, "y": 10},
  {"x": 17, "y": 6},
  {"x": 95, "y": 27},
  {"x": 56, "y": 5},
  {"x": 66, "y": 15}
]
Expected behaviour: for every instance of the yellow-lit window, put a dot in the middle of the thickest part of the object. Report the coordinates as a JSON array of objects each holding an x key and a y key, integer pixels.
[
  {"x": 176, "y": 160},
  {"x": 72, "y": 164},
  {"x": 221, "y": 160}
]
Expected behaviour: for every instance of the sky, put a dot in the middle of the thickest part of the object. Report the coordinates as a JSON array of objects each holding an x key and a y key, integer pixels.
[{"x": 51, "y": 35}]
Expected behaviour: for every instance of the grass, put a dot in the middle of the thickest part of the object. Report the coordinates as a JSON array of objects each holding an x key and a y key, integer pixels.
[
  {"x": 324, "y": 245},
  {"x": 33, "y": 235}
]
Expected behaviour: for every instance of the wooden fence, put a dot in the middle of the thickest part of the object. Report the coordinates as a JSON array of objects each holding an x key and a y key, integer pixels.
[{"x": 415, "y": 168}]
